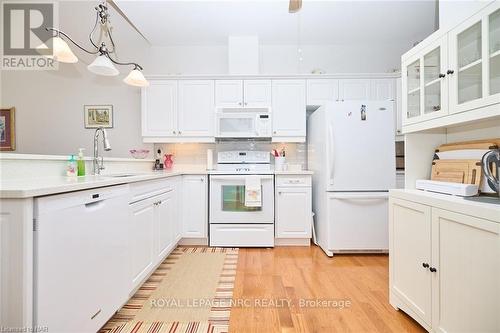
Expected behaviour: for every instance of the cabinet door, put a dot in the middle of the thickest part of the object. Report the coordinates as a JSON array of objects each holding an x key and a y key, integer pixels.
[
  {"x": 257, "y": 93},
  {"x": 194, "y": 206},
  {"x": 475, "y": 61},
  {"x": 229, "y": 93},
  {"x": 425, "y": 84},
  {"x": 196, "y": 108},
  {"x": 141, "y": 240},
  {"x": 354, "y": 89},
  {"x": 289, "y": 108},
  {"x": 177, "y": 210},
  {"x": 399, "y": 108},
  {"x": 466, "y": 287},
  {"x": 165, "y": 229},
  {"x": 293, "y": 212},
  {"x": 382, "y": 89},
  {"x": 410, "y": 249},
  {"x": 321, "y": 91},
  {"x": 159, "y": 109}
]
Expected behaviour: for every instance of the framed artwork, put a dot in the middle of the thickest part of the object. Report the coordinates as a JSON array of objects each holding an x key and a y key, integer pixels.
[
  {"x": 96, "y": 116},
  {"x": 7, "y": 129}
]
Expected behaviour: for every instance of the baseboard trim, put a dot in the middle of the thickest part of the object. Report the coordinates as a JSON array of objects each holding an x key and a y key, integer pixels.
[{"x": 194, "y": 241}]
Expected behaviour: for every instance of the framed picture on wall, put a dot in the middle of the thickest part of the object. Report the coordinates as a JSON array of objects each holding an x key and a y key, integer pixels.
[
  {"x": 98, "y": 116},
  {"x": 7, "y": 129}
]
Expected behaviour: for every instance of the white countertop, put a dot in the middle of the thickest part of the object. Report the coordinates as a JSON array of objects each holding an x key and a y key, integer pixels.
[
  {"x": 35, "y": 187},
  {"x": 488, "y": 211}
]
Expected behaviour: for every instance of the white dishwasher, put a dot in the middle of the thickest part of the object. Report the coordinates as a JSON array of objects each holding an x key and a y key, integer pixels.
[{"x": 81, "y": 260}]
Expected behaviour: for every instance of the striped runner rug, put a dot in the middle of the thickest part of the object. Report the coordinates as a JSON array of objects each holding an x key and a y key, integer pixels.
[{"x": 190, "y": 292}]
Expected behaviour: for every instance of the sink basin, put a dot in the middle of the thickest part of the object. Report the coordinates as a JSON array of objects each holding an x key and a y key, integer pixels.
[{"x": 123, "y": 175}]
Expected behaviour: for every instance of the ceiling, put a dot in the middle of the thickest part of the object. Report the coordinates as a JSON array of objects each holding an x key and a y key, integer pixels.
[{"x": 167, "y": 22}]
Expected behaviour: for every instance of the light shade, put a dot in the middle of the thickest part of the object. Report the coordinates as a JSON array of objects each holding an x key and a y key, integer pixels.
[
  {"x": 60, "y": 51},
  {"x": 135, "y": 78},
  {"x": 103, "y": 66}
]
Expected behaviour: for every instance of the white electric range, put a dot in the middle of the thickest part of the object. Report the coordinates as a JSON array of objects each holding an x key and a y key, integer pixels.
[{"x": 232, "y": 224}]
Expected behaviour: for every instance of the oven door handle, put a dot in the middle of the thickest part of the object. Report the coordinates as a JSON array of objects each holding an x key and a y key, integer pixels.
[{"x": 233, "y": 177}]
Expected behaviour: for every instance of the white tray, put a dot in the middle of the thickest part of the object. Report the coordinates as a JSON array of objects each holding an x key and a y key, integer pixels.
[{"x": 463, "y": 190}]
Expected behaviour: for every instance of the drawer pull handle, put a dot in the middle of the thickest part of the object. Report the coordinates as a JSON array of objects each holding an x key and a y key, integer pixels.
[
  {"x": 432, "y": 269},
  {"x": 425, "y": 265}
]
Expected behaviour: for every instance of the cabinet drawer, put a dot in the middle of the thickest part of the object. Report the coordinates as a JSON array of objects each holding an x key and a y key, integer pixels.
[
  {"x": 146, "y": 189},
  {"x": 242, "y": 235},
  {"x": 293, "y": 180}
]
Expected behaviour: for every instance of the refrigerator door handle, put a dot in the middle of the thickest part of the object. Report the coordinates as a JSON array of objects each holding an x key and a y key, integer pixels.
[
  {"x": 331, "y": 153},
  {"x": 370, "y": 196}
]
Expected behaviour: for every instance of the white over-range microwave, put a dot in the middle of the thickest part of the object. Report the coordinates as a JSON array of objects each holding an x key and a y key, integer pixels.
[{"x": 243, "y": 123}]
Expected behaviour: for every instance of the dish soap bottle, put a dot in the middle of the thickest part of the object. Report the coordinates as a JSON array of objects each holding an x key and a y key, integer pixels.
[
  {"x": 81, "y": 163},
  {"x": 71, "y": 168}
]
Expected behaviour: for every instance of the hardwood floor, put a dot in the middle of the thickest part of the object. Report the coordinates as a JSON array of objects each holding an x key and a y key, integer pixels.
[{"x": 295, "y": 273}]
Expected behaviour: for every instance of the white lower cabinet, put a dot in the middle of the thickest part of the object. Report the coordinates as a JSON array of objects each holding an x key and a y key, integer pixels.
[
  {"x": 155, "y": 228},
  {"x": 444, "y": 268},
  {"x": 293, "y": 201},
  {"x": 141, "y": 239},
  {"x": 466, "y": 284},
  {"x": 194, "y": 206},
  {"x": 410, "y": 251},
  {"x": 165, "y": 228}
]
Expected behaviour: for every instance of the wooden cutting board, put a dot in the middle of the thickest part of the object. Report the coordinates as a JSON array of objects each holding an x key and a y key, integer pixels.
[
  {"x": 476, "y": 144},
  {"x": 457, "y": 171}
]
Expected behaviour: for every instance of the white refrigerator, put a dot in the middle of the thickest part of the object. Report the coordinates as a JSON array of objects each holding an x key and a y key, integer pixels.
[{"x": 351, "y": 150}]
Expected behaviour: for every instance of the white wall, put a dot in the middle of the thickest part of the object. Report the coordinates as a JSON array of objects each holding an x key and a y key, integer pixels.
[
  {"x": 452, "y": 12},
  {"x": 49, "y": 104},
  {"x": 280, "y": 59}
]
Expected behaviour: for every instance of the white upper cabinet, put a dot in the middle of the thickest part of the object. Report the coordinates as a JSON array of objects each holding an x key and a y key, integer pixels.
[
  {"x": 229, "y": 93},
  {"x": 242, "y": 93},
  {"x": 257, "y": 93},
  {"x": 425, "y": 93},
  {"x": 159, "y": 109},
  {"x": 475, "y": 61},
  {"x": 354, "y": 89},
  {"x": 321, "y": 91},
  {"x": 177, "y": 111},
  {"x": 196, "y": 108},
  {"x": 454, "y": 72},
  {"x": 289, "y": 110}
]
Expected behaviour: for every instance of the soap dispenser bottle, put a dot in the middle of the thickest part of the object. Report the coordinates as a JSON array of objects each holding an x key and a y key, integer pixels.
[
  {"x": 71, "y": 168},
  {"x": 81, "y": 163}
]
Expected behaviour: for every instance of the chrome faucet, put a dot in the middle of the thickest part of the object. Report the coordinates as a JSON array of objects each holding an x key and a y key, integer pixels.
[{"x": 99, "y": 165}]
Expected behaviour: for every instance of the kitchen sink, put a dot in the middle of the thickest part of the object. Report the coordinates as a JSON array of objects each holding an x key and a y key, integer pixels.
[{"x": 123, "y": 175}]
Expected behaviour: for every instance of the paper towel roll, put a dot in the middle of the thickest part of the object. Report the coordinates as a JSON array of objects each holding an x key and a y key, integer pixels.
[{"x": 210, "y": 159}]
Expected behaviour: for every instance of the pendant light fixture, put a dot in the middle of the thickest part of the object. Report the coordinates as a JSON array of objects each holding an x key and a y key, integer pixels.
[{"x": 105, "y": 61}]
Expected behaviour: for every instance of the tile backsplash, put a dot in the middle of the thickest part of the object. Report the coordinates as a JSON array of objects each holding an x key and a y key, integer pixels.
[{"x": 196, "y": 153}]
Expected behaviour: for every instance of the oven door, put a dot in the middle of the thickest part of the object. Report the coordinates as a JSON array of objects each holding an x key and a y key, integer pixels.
[{"x": 227, "y": 200}]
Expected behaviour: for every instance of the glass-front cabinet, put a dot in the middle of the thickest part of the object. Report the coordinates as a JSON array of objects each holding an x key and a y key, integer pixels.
[
  {"x": 453, "y": 72},
  {"x": 474, "y": 62},
  {"x": 424, "y": 84}
]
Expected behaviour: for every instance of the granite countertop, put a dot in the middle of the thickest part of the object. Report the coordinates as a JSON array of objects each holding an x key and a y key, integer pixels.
[{"x": 35, "y": 187}]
